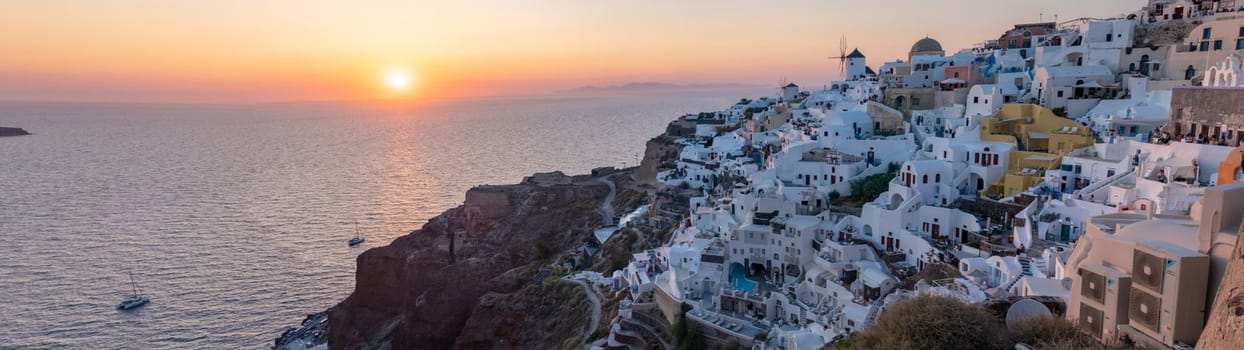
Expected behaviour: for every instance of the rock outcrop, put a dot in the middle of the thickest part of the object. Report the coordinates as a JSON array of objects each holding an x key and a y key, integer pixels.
[
  {"x": 477, "y": 276},
  {"x": 482, "y": 275},
  {"x": 1225, "y": 327},
  {"x": 6, "y": 131},
  {"x": 659, "y": 154}
]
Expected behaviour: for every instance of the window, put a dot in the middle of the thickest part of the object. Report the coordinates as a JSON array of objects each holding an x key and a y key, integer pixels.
[
  {"x": 1060, "y": 93},
  {"x": 1241, "y": 31},
  {"x": 1217, "y": 45},
  {"x": 915, "y": 101},
  {"x": 977, "y": 99},
  {"x": 1205, "y": 33},
  {"x": 937, "y": 178},
  {"x": 1204, "y": 46},
  {"x": 1239, "y": 44},
  {"x": 924, "y": 178}
]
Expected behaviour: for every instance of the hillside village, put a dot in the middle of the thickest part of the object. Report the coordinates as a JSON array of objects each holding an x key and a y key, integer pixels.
[{"x": 1093, "y": 165}]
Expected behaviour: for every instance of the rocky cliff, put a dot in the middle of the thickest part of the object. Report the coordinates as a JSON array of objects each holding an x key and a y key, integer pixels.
[
  {"x": 660, "y": 153},
  {"x": 478, "y": 276},
  {"x": 1225, "y": 328},
  {"x": 486, "y": 274},
  {"x": 6, "y": 131}
]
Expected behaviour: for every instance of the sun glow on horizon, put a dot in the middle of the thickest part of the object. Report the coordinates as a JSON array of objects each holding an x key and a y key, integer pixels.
[{"x": 398, "y": 80}]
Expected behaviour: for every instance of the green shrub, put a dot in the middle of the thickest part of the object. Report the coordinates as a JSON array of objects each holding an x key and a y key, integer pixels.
[{"x": 868, "y": 188}]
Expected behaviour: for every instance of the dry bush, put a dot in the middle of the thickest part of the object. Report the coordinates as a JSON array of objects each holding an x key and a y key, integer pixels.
[
  {"x": 1053, "y": 333},
  {"x": 932, "y": 322}
]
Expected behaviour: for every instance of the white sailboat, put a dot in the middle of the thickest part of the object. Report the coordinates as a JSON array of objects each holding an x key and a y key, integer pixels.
[
  {"x": 134, "y": 300},
  {"x": 357, "y": 238}
]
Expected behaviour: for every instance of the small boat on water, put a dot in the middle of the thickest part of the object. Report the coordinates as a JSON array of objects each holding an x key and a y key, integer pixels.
[
  {"x": 134, "y": 300},
  {"x": 357, "y": 238}
]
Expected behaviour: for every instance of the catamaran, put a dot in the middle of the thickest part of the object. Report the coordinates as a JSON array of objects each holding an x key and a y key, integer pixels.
[
  {"x": 357, "y": 239},
  {"x": 134, "y": 300}
]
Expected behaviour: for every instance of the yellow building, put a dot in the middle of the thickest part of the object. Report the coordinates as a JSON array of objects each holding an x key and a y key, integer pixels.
[
  {"x": 1041, "y": 139},
  {"x": 772, "y": 119}
]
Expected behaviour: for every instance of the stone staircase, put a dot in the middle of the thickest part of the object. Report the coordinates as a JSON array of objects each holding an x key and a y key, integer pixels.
[
  {"x": 1025, "y": 263},
  {"x": 874, "y": 310},
  {"x": 1007, "y": 288}
]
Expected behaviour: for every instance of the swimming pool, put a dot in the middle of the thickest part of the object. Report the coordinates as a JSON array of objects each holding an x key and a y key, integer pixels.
[{"x": 738, "y": 279}]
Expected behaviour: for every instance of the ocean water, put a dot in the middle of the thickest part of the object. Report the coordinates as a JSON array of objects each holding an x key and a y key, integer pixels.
[{"x": 234, "y": 219}]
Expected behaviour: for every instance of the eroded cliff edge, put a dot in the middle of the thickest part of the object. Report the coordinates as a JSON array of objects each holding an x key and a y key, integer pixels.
[
  {"x": 469, "y": 266},
  {"x": 487, "y": 274}
]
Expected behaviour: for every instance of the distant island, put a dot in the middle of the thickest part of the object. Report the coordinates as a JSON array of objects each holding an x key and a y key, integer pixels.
[
  {"x": 7, "y": 131},
  {"x": 656, "y": 87}
]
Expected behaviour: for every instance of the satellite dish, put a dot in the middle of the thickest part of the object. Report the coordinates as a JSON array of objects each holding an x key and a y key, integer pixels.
[{"x": 1024, "y": 310}]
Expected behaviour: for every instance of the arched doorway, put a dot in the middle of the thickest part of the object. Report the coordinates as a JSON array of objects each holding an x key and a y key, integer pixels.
[
  {"x": 972, "y": 185},
  {"x": 895, "y": 201}
]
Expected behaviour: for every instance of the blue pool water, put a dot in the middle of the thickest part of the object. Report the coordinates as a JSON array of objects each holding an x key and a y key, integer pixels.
[{"x": 738, "y": 279}]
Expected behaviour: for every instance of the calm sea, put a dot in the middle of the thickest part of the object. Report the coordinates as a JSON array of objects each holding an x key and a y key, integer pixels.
[{"x": 234, "y": 219}]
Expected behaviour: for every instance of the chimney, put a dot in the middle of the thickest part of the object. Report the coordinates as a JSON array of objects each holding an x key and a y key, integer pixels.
[{"x": 1138, "y": 87}]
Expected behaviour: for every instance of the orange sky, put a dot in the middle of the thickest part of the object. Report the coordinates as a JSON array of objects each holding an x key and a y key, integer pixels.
[{"x": 281, "y": 50}]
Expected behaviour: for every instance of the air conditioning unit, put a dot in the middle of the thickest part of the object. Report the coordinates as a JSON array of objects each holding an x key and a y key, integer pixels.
[
  {"x": 1092, "y": 286},
  {"x": 1091, "y": 320},
  {"x": 1144, "y": 311},
  {"x": 1147, "y": 270},
  {"x": 1106, "y": 290},
  {"x": 1168, "y": 293}
]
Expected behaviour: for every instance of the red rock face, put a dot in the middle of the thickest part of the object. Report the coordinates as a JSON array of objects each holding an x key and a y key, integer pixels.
[{"x": 409, "y": 295}]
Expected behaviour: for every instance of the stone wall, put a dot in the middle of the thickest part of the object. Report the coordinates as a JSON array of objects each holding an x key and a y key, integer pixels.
[
  {"x": 890, "y": 119},
  {"x": 549, "y": 178},
  {"x": 950, "y": 98},
  {"x": 486, "y": 203},
  {"x": 1202, "y": 109}
]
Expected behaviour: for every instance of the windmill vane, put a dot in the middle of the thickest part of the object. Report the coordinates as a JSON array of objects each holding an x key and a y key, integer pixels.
[{"x": 842, "y": 55}]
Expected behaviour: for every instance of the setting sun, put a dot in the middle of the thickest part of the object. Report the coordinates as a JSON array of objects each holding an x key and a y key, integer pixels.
[{"x": 397, "y": 80}]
